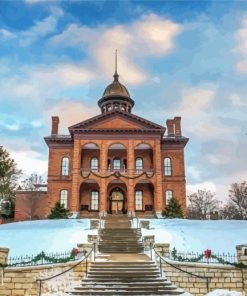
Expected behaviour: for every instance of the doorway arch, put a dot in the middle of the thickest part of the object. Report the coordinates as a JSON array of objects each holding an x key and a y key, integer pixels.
[{"x": 117, "y": 197}]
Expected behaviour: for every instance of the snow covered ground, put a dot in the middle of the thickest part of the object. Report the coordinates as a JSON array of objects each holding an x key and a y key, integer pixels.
[
  {"x": 62, "y": 235},
  {"x": 196, "y": 235},
  {"x": 48, "y": 235}
]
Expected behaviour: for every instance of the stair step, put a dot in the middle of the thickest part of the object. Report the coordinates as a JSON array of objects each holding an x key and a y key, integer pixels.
[{"x": 124, "y": 292}]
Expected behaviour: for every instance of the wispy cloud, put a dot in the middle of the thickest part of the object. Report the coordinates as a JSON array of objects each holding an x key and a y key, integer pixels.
[
  {"x": 149, "y": 36},
  {"x": 242, "y": 46}
]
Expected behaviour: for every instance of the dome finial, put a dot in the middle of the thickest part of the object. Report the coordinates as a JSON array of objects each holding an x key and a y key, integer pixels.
[{"x": 116, "y": 74}]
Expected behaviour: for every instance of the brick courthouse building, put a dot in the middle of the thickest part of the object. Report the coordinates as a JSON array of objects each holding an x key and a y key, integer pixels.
[{"x": 115, "y": 162}]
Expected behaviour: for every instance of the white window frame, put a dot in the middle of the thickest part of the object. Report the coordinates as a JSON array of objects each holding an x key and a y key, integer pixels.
[
  {"x": 118, "y": 167},
  {"x": 138, "y": 200},
  {"x": 94, "y": 200},
  {"x": 167, "y": 166},
  {"x": 94, "y": 164},
  {"x": 65, "y": 166},
  {"x": 139, "y": 164},
  {"x": 64, "y": 198},
  {"x": 169, "y": 196}
]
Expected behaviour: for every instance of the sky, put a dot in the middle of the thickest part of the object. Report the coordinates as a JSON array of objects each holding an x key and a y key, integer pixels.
[{"x": 177, "y": 58}]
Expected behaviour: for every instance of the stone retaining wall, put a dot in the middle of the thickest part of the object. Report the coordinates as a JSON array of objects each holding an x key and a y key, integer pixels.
[
  {"x": 220, "y": 276},
  {"x": 22, "y": 280}
]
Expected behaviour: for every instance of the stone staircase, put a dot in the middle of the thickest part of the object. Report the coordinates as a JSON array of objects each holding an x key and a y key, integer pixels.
[
  {"x": 122, "y": 268},
  {"x": 117, "y": 236},
  {"x": 125, "y": 278}
]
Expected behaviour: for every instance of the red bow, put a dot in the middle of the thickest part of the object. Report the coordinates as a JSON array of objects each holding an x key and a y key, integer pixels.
[
  {"x": 207, "y": 253},
  {"x": 75, "y": 251}
]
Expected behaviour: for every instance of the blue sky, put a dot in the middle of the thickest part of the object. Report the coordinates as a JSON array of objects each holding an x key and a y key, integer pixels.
[{"x": 177, "y": 58}]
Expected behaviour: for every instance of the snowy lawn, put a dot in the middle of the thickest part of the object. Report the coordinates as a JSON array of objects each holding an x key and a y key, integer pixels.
[
  {"x": 196, "y": 235},
  {"x": 62, "y": 235},
  {"x": 32, "y": 237}
]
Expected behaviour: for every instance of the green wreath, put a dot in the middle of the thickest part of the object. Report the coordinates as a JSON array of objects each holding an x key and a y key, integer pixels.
[
  {"x": 197, "y": 259},
  {"x": 117, "y": 175}
]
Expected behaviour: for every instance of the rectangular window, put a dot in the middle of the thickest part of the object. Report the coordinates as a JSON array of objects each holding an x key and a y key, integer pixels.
[
  {"x": 167, "y": 167},
  {"x": 95, "y": 201},
  {"x": 94, "y": 164},
  {"x": 65, "y": 166},
  {"x": 138, "y": 200},
  {"x": 169, "y": 196},
  {"x": 64, "y": 198},
  {"x": 116, "y": 164}
]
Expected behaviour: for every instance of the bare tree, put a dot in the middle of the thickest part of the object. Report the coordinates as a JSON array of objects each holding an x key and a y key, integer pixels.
[
  {"x": 30, "y": 206},
  {"x": 238, "y": 198},
  {"x": 202, "y": 203},
  {"x": 229, "y": 212},
  {"x": 32, "y": 183}
]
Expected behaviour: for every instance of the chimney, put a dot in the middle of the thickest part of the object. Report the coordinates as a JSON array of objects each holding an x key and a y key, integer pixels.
[
  {"x": 177, "y": 121},
  {"x": 170, "y": 127},
  {"x": 54, "y": 125}
]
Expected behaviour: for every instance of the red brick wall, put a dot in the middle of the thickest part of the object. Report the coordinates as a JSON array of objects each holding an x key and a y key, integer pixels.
[
  {"x": 31, "y": 205},
  {"x": 147, "y": 158},
  {"x": 57, "y": 182},
  {"x": 147, "y": 193},
  {"x": 176, "y": 182}
]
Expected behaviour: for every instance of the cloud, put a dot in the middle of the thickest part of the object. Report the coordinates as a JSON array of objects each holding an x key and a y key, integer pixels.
[
  {"x": 238, "y": 100},
  {"x": 201, "y": 186},
  {"x": 241, "y": 49},
  {"x": 5, "y": 34},
  {"x": 39, "y": 30},
  {"x": 65, "y": 74},
  {"x": 29, "y": 161},
  {"x": 71, "y": 112},
  {"x": 149, "y": 36},
  {"x": 199, "y": 117}
]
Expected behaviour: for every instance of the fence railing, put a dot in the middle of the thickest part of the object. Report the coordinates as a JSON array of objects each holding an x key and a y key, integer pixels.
[
  {"x": 215, "y": 258},
  {"x": 162, "y": 261},
  {"x": 44, "y": 258},
  {"x": 84, "y": 259}
]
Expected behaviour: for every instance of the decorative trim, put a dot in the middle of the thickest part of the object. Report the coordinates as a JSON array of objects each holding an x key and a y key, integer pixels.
[{"x": 117, "y": 175}]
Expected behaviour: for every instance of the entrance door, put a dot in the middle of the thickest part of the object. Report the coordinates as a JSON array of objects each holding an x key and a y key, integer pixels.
[{"x": 117, "y": 202}]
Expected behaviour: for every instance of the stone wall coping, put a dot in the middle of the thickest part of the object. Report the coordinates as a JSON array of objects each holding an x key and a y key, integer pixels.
[
  {"x": 31, "y": 191},
  {"x": 4, "y": 250},
  {"x": 241, "y": 246},
  {"x": 161, "y": 245},
  {"x": 204, "y": 265},
  {"x": 41, "y": 267}
]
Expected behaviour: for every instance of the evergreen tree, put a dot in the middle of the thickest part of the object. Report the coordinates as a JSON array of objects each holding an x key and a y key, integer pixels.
[
  {"x": 58, "y": 212},
  {"x": 173, "y": 209}
]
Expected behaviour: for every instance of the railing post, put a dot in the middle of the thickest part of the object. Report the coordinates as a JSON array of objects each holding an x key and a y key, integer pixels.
[
  {"x": 160, "y": 267},
  {"x": 151, "y": 252},
  {"x": 86, "y": 266},
  {"x": 94, "y": 251},
  {"x": 40, "y": 287}
]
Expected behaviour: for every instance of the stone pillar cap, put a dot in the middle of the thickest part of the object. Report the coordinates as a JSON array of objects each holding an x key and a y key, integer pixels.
[
  {"x": 241, "y": 246},
  {"x": 6, "y": 250}
]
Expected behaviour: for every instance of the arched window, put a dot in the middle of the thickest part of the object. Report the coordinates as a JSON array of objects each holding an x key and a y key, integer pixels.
[
  {"x": 169, "y": 196},
  {"x": 95, "y": 200},
  {"x": 116, "y": 164},
  {"x": 138, "y": 200},
  {"x": 167, "y": 166},
  {"x": 139, "y": 164},
  {"x": 65, "y": 166},
  {"x": 94, "y": 163},
  {"x": 64, "y": 198}
]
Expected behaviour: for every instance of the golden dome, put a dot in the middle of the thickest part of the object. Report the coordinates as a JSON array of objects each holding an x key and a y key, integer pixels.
[
  {"x": 116, "y": 96},
  {"x": 116, "y": 89}
]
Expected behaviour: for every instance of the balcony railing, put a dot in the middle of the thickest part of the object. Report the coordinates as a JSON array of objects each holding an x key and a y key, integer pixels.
[{"x": 121, "y": 170}]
